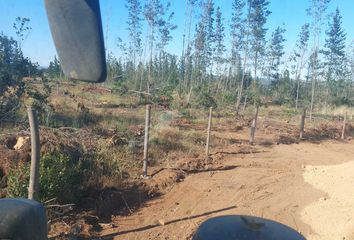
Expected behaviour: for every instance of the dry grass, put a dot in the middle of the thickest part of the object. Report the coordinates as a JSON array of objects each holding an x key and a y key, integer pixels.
[
  {"x": 338, "y": 111},
  {"x": 169, "y": 142}
]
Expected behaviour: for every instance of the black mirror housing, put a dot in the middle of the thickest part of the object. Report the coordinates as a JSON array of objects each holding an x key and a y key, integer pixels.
[{"x": 76, "y": 29}]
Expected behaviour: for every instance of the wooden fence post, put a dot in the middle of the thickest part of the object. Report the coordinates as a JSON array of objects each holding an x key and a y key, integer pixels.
[
  {"x": 344, "y": 126},
  {"x": 254, "y": 126},
  {"x": 146, "y": 139},
  {"x": 33, "y": 189},
  {"x": 208, "y": 132},
  {"x": 302, "y": 124}
]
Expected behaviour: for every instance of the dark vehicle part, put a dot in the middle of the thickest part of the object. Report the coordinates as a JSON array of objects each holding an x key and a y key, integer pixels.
[
  {"x": 22, "y": 219},
  {"x": 235, "y": 227},
  {"x": 76, "y": 28}
]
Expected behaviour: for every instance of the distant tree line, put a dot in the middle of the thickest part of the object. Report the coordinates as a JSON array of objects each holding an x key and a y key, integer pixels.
[
  {"x": 16, "y": 72},
  {"x": 252, "y": 69}
]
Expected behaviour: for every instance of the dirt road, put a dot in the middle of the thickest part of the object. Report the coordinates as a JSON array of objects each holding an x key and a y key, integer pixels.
[{"x": 278, "y": 182}]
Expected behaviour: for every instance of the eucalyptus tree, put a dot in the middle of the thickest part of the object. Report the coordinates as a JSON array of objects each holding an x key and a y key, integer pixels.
[
  {"x": 317, "y": 11},
  {"x": 186, "y": 61},
  {"x": 22, "y": 29},
  {"x": 165, "y": 27},
  {"x": 239, "y": 44},
  {"x": 298, "y": 57},
  {"x": 153, "y": 10},
  {"x": 134, "y": 23}
]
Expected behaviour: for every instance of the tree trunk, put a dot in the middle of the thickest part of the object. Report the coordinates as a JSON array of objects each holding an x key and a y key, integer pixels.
[
  {"x": 302, "y": 124},
  {"x": 208, "y": 132},
  {"x": 344, "y": 126},
  {"x": 312, "y": 97},
  {"x": 254, "y": 126},
  {"x": 297, "y": 93},
  {"x": 244, "y": 105},
  {"x": 239, "y": 97},
  {"x": 146, "y": 139},
  {"x": 298, "y": 74}
]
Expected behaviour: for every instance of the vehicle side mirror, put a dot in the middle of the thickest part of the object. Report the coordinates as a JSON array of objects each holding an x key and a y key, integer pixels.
[
  {"x": 22, "y": 219},
  {"x": 76, "y": 28}
]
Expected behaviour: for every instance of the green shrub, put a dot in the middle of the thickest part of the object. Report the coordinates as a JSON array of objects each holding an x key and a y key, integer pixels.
[
  {"x": 339, "y": 101},
  {"x": 60, "y": 177},
  {"x": 18, "y": 180},
  {"x": 186, "y": 113},
  {"x": 229, "y": 98},
  {"x": 206, "y": 101},
  {"x": 86, "y": 118},
  {"x": 108, "y": 165}
]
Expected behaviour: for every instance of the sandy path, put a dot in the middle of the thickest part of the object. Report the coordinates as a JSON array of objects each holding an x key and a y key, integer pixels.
[
  {"x": 268, "y": 184},
  {"x": 332, "y": 216}
]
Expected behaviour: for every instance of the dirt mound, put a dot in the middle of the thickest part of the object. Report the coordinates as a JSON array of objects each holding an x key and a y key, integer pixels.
[
  {"x": 163, "y": 180},
  {"x": 14, "y": 148},
  {"x": 193, "y": 165},
  {"x": 330, "y": 130},
  {"x": 336, "y": 207},
  {"x": 285, "y": 133},
  {"x": 84, "y": 227}
]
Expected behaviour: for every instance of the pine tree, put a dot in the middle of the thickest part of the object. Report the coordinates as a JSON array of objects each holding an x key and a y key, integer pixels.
[
  {"x": 257, "y": 18},
  {"x": 204, "y": 41},
  {"x": 219, "y": 40},
  {"x": 200, "y": 51},
  {"x": 335, "y": 56},
  {"x": 275, "y": 53},
  {"x": 208, "y": 22},
  {"x": 54, "y": 69},
  {"x": 238, "y": 30}
]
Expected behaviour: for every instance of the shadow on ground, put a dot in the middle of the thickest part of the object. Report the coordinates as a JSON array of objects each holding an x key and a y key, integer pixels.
[{"x": 151, "y": 226}]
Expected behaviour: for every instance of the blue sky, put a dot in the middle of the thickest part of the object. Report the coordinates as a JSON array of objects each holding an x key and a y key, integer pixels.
[{"x": 39, "y": 45}]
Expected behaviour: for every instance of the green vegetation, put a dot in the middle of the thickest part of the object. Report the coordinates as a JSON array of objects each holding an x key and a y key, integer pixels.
[
  {"x": 252, "y": 70},
  {"x": 15, "y": 72},
  {"x": 209, "y": 73},
  {"x": 61, "y": 178}
]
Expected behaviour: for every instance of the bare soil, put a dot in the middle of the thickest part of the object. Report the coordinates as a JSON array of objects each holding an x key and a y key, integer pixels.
[
  {"x": 278, "y": 178},
  {"x": 268, "y": 180}
]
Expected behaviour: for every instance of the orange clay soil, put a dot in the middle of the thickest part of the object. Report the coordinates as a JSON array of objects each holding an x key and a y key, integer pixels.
[{"x": 306, "y": 186}]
